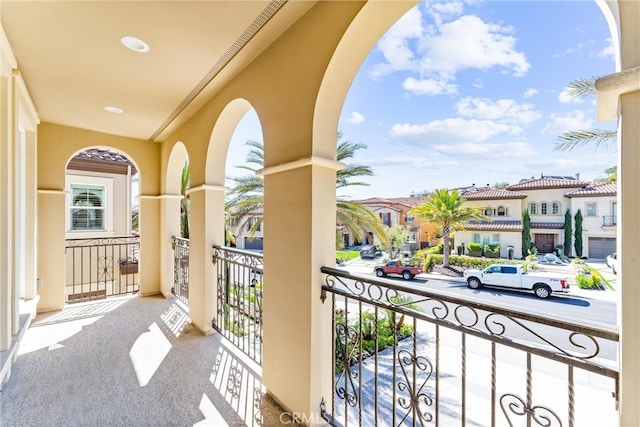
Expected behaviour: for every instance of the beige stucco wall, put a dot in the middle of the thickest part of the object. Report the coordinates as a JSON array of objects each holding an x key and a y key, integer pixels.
[
  {"x": 56, "y": 145},
  {"x": 549, "y": 196}
]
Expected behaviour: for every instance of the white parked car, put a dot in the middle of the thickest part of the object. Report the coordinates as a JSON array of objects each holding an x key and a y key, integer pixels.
[
  {"x": 512, "y": 276},
  {"x": 612, "y": 262}
]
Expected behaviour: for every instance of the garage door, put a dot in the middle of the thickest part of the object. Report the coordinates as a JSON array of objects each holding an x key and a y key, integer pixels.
[
  {"x": 600, "y": 247},
  {"x": 254, "y": 244}
]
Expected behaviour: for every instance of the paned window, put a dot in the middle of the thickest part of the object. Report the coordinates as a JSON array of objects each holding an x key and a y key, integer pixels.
[
  {"x": 591, "y": 209},
  {"x": 544, "y": 208},
  {"x": 533, "y": 209},
  {"x": 555, "y": 208},
  {"x": 502, "y": 211},
  {"x": 87, "y": 207}
]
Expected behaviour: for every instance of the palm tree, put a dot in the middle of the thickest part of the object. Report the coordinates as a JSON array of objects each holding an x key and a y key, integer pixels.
[
  {"x": 185, "y": 183},
  {"x": 574, "y": 139},
  {"x": 444, "y": 209},
  {"x": 246, "y": 197}
]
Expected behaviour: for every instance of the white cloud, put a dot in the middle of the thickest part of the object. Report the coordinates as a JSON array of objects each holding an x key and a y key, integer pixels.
[
  {"x": 565, "y": 97},
  {"x": 414, "y": 162},
  {"x": 440, "y": 11},
  {"x": 394, "y": 45},
  {"x": 608, "y": 51},
  {"x": 588, "y": 167},
  {"x": 487, "y": 151},
  {"x": 573, "y": 121},
  {"x": 429, "y": 86},
  {"x": 355, "y": 118},
  {"x": 437, "y": 53},
  {"x": 505, "y": 110},
  {"x": 456, "y": 130},
  {"x": 530, "y": 92}
]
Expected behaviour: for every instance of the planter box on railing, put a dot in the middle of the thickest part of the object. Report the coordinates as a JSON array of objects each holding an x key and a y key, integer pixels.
[
  {"x": 492, "y": 254},
  {"x": 128, "y": 266},
  {"x": 475, "y": 253}
]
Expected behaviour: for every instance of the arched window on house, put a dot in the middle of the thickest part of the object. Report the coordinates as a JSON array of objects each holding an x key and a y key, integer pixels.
[
  {"x": 488, "y": 212},
  {"x": 533, "y": 208},
  {"x": 502, "y": 211},
  {"x": 544, "y": 208},
  {"x": 555, "y": 208}
]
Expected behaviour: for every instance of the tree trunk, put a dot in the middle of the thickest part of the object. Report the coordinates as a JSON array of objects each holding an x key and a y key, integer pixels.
[{"x": 445, "y": 249}]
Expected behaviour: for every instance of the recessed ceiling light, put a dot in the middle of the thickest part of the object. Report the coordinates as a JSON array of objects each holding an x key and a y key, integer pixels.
[
  {"x": 114, "y": 110},
  {"x": 134, "y": 44}
]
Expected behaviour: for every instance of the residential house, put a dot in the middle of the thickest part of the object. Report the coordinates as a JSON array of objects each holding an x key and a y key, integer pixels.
[
  {"x": 67, "y": 83},
  {"x": 396, "y": 211},
  {"x": 546, "y": 199}
]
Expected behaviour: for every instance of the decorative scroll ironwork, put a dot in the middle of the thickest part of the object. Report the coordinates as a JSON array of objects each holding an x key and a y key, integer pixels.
[
  {"x": 513, "y": 405},
  {"x": 418, "y": 400},
  {"x": 101, "y": 267},
  {"x": 239, "y": 276},
  {"x": 347, "y": 343},
  {"x": 180, "y": 287},
  {"x": 570, "y": 346}
]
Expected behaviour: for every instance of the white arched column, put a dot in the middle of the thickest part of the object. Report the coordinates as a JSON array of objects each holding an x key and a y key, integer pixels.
[
  {"x": 618, "y": 97},
  {"x": 301, "y": 212},
  {"x": 206, "y": 228}
]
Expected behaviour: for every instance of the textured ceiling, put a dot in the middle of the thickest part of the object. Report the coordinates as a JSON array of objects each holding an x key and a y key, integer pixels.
[{"x": 73, "y": 63}]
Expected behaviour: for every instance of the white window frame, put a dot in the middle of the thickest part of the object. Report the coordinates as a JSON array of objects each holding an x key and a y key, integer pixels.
[
  {"x": 533, "y": 208},
  {"x": 553, "y": 205},
  {"x": 90, "y": 181},
  {"x": 595, "y": 209}
]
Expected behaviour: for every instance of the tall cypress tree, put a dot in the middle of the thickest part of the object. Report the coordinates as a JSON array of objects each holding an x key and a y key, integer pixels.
[
  {"x": 578, "y": 234},
  {"x": 567, "y": 233},
  {"x": 526, "y": 234}
]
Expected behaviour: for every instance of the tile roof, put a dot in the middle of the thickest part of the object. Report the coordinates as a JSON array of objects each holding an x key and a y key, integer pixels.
[
  {"x": 493, "y": 225},
  {"x": 384, "y": 201},
  {"x": 536, "y": 224},
  {"x": 548, "y": 182},
  {"x": 495, "y": 194},
  {"x": 595, "y": 189}
]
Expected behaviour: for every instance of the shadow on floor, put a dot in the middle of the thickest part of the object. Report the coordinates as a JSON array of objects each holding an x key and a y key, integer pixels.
[{"x": 131, "y": 362}]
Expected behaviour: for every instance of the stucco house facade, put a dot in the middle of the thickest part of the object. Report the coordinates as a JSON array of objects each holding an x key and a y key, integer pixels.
[
  {"x": 293, "y": 62},
  {"x": 546, "y": 199},
  {"x": 396, "y": 211}
]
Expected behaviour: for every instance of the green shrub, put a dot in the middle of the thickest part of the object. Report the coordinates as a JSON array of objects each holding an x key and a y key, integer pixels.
[
  {"x": 474, "y": 247},
  {"x": 585, "y": 281},
  {"x": 462, "y": 261},
  {"x": 492, "y": 248},
  {"x": 439, "y": 248}
]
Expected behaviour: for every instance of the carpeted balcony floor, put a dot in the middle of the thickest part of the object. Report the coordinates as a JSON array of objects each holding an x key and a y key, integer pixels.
[{"x": 131, "y": 362}]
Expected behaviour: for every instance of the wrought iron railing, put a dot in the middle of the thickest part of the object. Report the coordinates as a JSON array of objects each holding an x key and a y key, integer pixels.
[
  {"x": 101, "y": 267},
  {"x": 609, "y": 221},
  {"x": 408, "y": 356},
  {"x": 180, "y": 287},
  {"x": 239, "y": 276}
]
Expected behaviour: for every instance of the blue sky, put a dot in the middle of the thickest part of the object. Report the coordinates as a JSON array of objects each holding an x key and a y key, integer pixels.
[{"x": 460, "y": 93}]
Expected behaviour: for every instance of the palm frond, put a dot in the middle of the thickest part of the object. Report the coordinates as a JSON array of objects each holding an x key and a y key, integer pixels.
[
  {"x": 574, "y": 139},
  {"x": 583, "y": 87}
]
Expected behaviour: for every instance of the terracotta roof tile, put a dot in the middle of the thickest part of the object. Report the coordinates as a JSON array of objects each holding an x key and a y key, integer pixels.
[
  {"x": 493, "y": 226},
  {"x": 595, "y": 189},
  {"x": 495, "y": 194},
  {"x": 550, "y": 182}
]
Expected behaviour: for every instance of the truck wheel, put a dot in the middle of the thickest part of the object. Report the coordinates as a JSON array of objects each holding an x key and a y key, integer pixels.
[
  {"x": 380, "y": 273},
  {"x": 406, "y": 275},
  {"x": 474, "y": 283},
  {"x": 542, "y": 291}
]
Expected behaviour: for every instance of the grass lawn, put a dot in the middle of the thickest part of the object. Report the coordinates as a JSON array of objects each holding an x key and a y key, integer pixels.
[{"x": 347, "y": 255}]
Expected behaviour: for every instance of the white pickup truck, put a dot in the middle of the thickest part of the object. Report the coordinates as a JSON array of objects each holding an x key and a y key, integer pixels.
[{"x": 512, "y": 276}]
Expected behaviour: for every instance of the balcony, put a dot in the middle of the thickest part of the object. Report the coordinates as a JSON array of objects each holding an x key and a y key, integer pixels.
[
  {"x": 609, "y": 221},
  {"x": 129, "y": 360}
]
